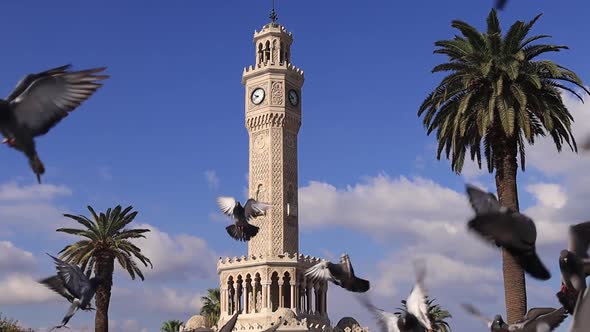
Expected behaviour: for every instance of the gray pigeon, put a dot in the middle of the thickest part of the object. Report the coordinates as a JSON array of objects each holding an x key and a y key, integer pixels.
[
  {"x": 75, "y": 286},
  {"x": 535, "y": 320},
  {"x": 39, "y": 102},
  {"x": 242, "y": 230},
  {"x": 275, "y": 326},
  {"x": 574, "y": 262},
  {"x": 581, "y": 316},
  {"x": 340, "y": 274},
  {"x": 508, "y": 229},
  {"x": 415, "y": 318}
]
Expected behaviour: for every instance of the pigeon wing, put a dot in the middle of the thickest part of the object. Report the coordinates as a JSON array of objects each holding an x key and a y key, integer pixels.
[
  {"x": 24, "y": 83},
  {"x": 473, "y": 311},
  {"x": 254, "y": 209},
  {"x": 481, "y": 201},
  {"x": 552, "y": 319},
  {"x": 49, "y": 98},
  {"x": 229, "y": 326},
  {"x": 416, "y": 301},
  {"x": 73, "y": 277},
  {"x": 533, "y": 313},
  {"x": 56, "y": 284},
  {"x": 321, "y": 271},
  {"x": 386, "y": 321},
  {"x": 227, "y": 205},
  {"x": 358, "y": 284},
  {"x": 579, "y": 239},
  {"x": 501, "y": 229}
]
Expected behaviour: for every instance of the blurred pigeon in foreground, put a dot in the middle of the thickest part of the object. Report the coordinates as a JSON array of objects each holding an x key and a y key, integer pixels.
[
  {"x": 500, "y": 4},
  {"x": 415, "y": 318},
  {"x": 75, "y": 286},
  {"x": 241, "y": 230},
  {"x": 508, "y": 229},
  {"x": 39, "y": 102},
  {"x": 574, "y": 264},
  {"x": 340, "y": 274},
  {"x": 535, "y": 320},
  {"x": 229, "y": 326},
  {"x": 581, "y": 316}
]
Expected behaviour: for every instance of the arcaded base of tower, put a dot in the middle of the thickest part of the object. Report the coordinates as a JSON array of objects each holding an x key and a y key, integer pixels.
[{"x": 266, "y": 288}]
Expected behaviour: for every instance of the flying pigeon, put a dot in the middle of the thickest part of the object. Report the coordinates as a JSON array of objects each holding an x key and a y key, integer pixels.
[
  {"x": 39, "y": 102},
  {"x": 508, "y": 229},
  {"x": 500, "y": 4},
  {"x": 574, "y": 262},
  {"x": 340, "y": 274},
  {"x": 581, "y": 315},
  {"x": 535, "y": 320},
  {"x": 415, "y": 318},
  {"x": 71, "y": 283},
  {"x": 241, "y": 230},
  {"x": 495, "y": 325}
]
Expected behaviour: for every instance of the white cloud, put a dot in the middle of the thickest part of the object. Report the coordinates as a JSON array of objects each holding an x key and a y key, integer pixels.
[
  {"x": 12, "y": 191},
  {"x": 23, "y": 289},
  {"x": 13, "y": 259},
  {"x": 176, "y": 257},
  {"x": 212, "y": 179}
]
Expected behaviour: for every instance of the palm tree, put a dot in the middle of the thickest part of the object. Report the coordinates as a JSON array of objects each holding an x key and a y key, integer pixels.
[
  {"x": 171, "y": 326},
  {"x": 11, "y": 325},
  {"x": 106, "y": 239},
  {"x": 436, "y": 314},
  {"x": 211, "y": 308},
  {"x": 498, "y": 94}
]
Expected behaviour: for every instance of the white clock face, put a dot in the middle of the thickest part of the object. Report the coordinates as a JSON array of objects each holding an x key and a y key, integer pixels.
[
  {"x": 293, "y": 97},
  {"x": 257, "y": 96}
]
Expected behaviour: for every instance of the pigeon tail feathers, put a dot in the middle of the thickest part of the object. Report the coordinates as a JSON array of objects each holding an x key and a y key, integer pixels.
[
  {"x": 360, "y": 285},
  {"x": 37, "y": 166},
  {"x": 532, "y": 264},
  {"x": 242, "y": 232}
]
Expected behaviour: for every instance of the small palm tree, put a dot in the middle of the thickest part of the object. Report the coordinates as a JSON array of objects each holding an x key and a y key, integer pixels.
[
  {"x": 211, "y": 308},
  {"x": 171, "y": 326},
  {"x": 106, "y": 239},
  {"x": 497, "y": 98},
  {"x": 436, "y": 315},
  {"x": 11, "y": 325}
]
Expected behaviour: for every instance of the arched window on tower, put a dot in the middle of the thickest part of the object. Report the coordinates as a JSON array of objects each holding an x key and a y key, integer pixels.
[
  {"x": 260, "y": 54},
  {"x": 282, "y": 53},
  {"x": 267, "y": 51}
]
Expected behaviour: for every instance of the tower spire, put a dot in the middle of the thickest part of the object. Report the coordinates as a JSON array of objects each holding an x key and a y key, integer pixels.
[{"x": 273, "y": 14}]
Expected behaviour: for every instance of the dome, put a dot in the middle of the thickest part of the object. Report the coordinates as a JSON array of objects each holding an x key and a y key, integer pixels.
[
  {"x": 195, "y": 322},
  {"x": 285, "y": 313},
  {"x": 347, "y": 322}
]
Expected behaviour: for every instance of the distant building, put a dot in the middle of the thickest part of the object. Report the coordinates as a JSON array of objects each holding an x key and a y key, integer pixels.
[{"x": 268, "y": 283}]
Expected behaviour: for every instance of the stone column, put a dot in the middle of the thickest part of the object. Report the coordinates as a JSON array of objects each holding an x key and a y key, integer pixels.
[
  {"x": 301, "y": 296},
  {"x": 222, "y": 300},
  {"x": 325, "y": 298},
  {"x": 308, "y": 295},
  {"x": 265, "y": 295},
  {"x": 293, "y": 296},
  {"x": 281, "y": 299}
]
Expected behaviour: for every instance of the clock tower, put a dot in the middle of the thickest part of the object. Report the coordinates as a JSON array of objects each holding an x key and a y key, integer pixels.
[{"x": 269, "y": 281}]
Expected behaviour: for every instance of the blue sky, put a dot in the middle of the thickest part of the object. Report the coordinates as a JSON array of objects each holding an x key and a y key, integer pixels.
[{"x": 173, "y": 112}]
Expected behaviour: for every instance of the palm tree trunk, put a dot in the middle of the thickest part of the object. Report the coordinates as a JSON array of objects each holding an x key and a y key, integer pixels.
[
  {"x": 105, "y": 263},
  {"x": 514, "y": 282}
]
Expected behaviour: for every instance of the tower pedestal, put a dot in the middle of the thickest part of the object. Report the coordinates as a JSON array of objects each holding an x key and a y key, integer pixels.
[{"x": 266, "y": 288}]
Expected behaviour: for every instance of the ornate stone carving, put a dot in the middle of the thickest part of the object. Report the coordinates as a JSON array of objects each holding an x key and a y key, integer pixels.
[
  {"x": 275, "y": 51},
  {"x": 260, "y": 142},
  {"x": 258, "y": 301},
  {"x": 276, "y": 93}
]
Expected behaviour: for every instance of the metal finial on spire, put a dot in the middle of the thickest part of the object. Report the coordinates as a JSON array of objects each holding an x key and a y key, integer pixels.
[{"x": 273, "y": 14}]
